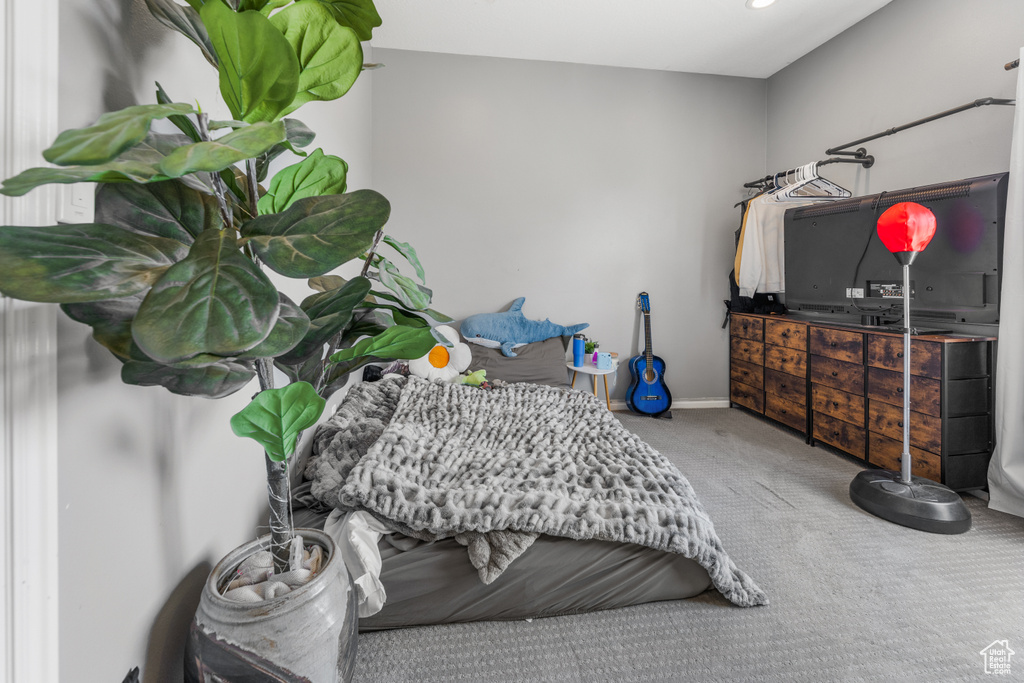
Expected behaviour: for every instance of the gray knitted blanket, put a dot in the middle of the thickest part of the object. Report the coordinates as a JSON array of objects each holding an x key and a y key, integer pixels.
[{"x": 495, "y": 468}]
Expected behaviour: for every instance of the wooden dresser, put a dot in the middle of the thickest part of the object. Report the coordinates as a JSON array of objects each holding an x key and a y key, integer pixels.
[{"x": 844, "y": 387}]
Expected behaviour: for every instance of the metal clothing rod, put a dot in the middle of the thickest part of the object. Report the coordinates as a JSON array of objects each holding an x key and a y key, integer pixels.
[
  {"x": 892, "y": 131},
  {"x": 866, "y": 159}
]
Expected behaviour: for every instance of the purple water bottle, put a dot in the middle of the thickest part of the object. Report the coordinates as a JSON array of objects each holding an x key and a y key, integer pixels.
[{"x": 577, "y": 350}]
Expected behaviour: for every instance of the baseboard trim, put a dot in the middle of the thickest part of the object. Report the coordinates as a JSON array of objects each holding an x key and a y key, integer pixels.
[{"x": 684, "y": 404}]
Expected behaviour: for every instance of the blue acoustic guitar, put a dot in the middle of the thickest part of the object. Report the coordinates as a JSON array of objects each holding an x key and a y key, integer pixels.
[{"x": 648, "y": 394}]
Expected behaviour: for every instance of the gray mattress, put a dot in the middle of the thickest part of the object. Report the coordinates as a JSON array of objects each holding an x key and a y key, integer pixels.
[{"x": 434, "y": 583}]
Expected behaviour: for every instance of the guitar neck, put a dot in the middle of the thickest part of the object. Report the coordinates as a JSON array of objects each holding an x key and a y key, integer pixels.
[{"x": 648, "y": 349}]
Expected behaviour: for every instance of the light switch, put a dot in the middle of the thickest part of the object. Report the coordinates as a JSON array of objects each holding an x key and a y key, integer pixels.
[{"x": 76, "y": 203}]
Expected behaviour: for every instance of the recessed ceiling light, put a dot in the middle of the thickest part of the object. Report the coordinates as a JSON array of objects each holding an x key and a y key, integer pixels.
[{"x": 758, "y": 4}]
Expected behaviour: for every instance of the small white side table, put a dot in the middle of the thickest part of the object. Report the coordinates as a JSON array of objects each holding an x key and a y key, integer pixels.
[{"x": 591, "y": 369}]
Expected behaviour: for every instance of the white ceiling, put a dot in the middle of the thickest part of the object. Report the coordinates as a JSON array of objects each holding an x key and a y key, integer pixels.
[{"x": 699, "y": 36}]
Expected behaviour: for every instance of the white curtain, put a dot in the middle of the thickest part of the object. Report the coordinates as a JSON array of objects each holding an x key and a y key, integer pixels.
[{"x": 1006, "y": 470}]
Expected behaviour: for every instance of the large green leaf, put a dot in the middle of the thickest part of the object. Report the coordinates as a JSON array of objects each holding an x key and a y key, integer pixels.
[
  {"x": 297, "y": 135},
  {"x": 76, "y": 263},
  {"x": 406, "y": 250},
  {"x": 183, "y": 123},
  {"x": 325, "y": 283},
  {"x": 259, "y": 72},
  {"x": 330, "y": 56},
  {"x": 359, "y": 15},
  {"x": 317, "y": 234},
  {"x": 167, "y": 209},
  {"x": 337, "y": 375},
  {"x": 110, "y": 320},
  {"x": 152, "y": 151},
  {"x": 417, "y": 297},
  {"x": 214, "y": 301},
  {"x": 111, "y": 135},
  {"x": 318, "y": 174},
  {"x": 184, "y": 20},
  {"x": 436, "y": 315},
  {"x": 210, "y": 381},
  {"x": 292, "y": 325},
  {"x": 396, "y": 343},
  {"x": 328, "y": 316},
  {"x": 216, "y": 155},
  {"x": 275, "y": 418},
  {"x": 113, "y": 172}
]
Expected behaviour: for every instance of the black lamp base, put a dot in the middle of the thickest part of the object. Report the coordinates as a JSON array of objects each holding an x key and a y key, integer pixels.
[{"x": 921, "y": 504}]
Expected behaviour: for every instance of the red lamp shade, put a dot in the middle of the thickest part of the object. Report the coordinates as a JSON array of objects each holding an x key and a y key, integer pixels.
[{"x": 906, "y": 227}]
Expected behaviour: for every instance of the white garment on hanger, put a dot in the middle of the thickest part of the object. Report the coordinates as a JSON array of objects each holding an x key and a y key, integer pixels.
[{"x": 763, "y": 263}]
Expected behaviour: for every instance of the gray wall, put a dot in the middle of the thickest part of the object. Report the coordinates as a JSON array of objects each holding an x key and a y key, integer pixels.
[
  {"x": 153, "y": 488},
  {"x": 576, "y": 187},
  {"x": 911, "y": 59}
]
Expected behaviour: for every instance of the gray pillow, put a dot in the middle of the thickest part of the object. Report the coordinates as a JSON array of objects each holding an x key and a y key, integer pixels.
[{"x": 541, "y": 362}]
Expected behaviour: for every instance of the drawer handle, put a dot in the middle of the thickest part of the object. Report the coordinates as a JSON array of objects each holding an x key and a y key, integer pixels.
[
  {"x": 835, "y": 404},
  {"x": 832, "y": 344},
  {"x": 835, "y": 374},
  {"x": 785, "y": 334},
  {"x": 900, "y": 423},
  {"x": 783, "y": 411},
  {"x": 899, "y": 390},
  {"x": 836, "y": 434},
  {"x": 782, "y": 386},
  {"x": 899, "y": 355}
]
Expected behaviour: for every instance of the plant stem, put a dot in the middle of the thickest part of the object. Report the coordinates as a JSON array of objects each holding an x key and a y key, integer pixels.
[
  {"x": 254, "y": 189},
  {"x": 369, "y": 254},
  {"x": 218, "y": 184},
  {"x": 278, "y": 485}
]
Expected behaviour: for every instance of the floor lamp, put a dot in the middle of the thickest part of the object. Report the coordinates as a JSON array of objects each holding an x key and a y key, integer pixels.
[{"x": 906, "y": 229}]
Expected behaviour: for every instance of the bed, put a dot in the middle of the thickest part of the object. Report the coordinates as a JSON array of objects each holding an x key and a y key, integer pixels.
[{"x": 454, "y": 503}]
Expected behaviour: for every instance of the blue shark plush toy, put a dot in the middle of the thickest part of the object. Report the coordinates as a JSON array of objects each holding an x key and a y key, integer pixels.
[{"x": 511, "y": 327}]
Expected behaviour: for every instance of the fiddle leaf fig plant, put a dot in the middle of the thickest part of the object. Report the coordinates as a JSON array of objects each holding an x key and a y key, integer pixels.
[{"x": 177, "y": 276}]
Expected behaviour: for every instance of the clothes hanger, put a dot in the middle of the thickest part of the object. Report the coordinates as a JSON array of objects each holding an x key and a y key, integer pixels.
[{"x": 812, "y": 186}]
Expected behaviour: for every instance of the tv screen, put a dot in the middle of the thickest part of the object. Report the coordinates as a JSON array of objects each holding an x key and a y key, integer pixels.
[{"x": 837, "y": 268}]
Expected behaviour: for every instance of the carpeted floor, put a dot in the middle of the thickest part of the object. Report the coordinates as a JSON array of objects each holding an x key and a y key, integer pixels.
[{"x": 853, "y": 598}]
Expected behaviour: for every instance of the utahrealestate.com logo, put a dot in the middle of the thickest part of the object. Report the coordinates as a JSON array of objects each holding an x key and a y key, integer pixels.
[{"x": 997, "y": 657}]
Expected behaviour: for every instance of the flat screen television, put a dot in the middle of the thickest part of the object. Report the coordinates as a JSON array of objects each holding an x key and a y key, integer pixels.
[{"x": 838, "y": 270}]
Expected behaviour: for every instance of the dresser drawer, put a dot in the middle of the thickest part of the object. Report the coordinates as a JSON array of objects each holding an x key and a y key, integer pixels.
[
  {"x": 845, "y": 406},
  {"x": 838, "y": 344},
  {"x": 785, "y": 386},
  {"x": 786, "y": 412},
  {"x": 747, "y": 373},
  {"x": 784, "y": 333},
  {"x": 746, "y": 327},
  {"x": 784, "y": 359},
  {"x": 842, "y": 435},
  {"x": 887, "y": 386},
  {"x": 838, "y": 374},
  {"x": 747, "y": 350},
  {"x": 887, "y": 453},
  {"x": 887, "y": 353},
  {"x": 746, "y": 396},
  {"x": 925, "y": 430}
]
